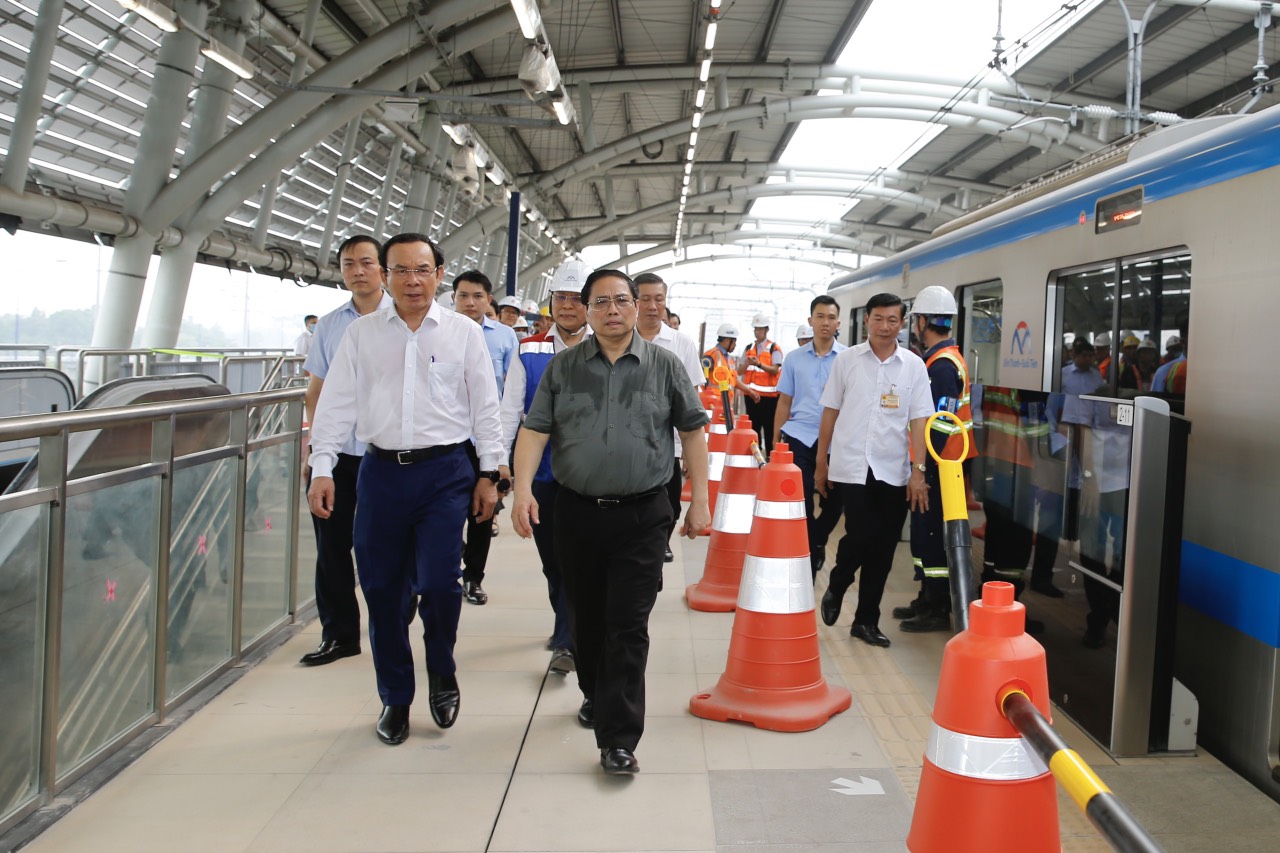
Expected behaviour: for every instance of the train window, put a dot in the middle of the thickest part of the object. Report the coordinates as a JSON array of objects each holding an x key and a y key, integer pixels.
[
  {"x": 979, "y": 329},
  {"x": 857, "y": 328},
  {"x": 1133, "y": 332}
]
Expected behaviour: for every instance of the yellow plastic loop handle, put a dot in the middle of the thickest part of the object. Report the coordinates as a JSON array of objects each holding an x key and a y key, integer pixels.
[
  {"x": 722, "y": 377},
  {"x": 964, "y": 451}
]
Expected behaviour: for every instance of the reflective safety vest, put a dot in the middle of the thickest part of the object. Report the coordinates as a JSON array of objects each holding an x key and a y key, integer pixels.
[
  {"x": 945, "y": 426},
  {"x": 1010, "y": 429},
  {"x": 1175, "y": 381},
  {"x": 535, "y": 354},
  {"x": 761, "y": 380},
  {"x": 719, "y": 359}
]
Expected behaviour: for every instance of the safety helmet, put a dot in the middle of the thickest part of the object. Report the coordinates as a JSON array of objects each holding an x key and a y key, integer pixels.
[
  {"x": 935, "y": 301},
  {"x": 1147, "y": 343},
  {"x": 804, "y": 332},
  {"x": 570, "y": 277},
  {"x": 521, "y": 323},
  {"x": 530, "y": 306},
  {"x": 545, "y": 311},
  {"x": 760, "y": 321},
  {"x": 1174, "y": 342},
  {"x": 727, "y": 330},
  {"x": 1103, "y": 340},
  {"x": 509, "y": 302},
  {"x": 1129, "y": 340}
]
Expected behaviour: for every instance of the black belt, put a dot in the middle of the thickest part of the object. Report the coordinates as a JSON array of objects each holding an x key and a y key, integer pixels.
[
  {"x": 611, "y": 501},
  {"x": 408, "y": 457}
]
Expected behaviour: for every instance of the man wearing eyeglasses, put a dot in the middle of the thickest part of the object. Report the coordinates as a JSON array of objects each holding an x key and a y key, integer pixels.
[
  {"x": 536, "y": 352},
  {"x": 336, "y": 604},
  {"x": 608, "y": 407},
  {"x": 415, "y": 383}
]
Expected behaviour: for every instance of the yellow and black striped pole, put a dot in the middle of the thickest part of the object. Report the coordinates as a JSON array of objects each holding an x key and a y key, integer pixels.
[
  {"x": 955, "y": 518},
  {"x": 1105, "y": 811}
]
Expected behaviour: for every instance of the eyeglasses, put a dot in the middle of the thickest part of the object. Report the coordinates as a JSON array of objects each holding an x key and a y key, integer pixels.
[
  {"x": 405, "y": 273},
  {"x": 602, "y": 303},
  {"x": 566, "y": 298}
]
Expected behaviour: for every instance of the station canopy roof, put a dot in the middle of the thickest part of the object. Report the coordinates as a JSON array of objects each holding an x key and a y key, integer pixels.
[{"x": 442, "y": 119}]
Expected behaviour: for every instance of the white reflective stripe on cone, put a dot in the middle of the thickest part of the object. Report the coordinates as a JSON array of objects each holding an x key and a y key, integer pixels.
[
  {"x": 733, "y": 513},
  {"x": 776, "y": 585},
  {"x": 716, "y": 466},
  {"x": 1004, "y": 759},
  {"x": 781, "y": 510},
  {"x": 719, "y": 428},
  {"x": 739, "y": 461}
]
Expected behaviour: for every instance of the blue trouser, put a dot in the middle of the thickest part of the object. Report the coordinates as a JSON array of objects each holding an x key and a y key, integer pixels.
[{"x": 408, "y": 542}]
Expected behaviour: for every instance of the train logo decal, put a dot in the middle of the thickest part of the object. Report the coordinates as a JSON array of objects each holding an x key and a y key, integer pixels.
[{"x": 1020, "y": 349}]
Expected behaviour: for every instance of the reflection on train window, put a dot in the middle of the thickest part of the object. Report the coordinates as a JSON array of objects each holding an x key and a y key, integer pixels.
[
  {"x": 979, "y": 333},
  {"x": 857, "y": 329},
  {"x": 1133, "y": 335}
]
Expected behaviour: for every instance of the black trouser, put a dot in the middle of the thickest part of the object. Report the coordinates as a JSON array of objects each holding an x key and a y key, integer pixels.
[
  {"x": 336, "y": 603},
  {"x": 819, "y": 525},
  {"x": 1099, "y": 533},
  {"x": 612, "y": 559},
  {"x": 546, "y": 493},
  {"x": 873, "y": 517},
  {"x": 762, "y": 414},
  {"x": 674, "y": 485},
  {"x": 475, "y": 549},
  {"x": 928, "y": 547}
]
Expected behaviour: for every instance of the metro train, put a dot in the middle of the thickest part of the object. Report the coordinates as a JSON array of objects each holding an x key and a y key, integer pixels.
[{"x": 1176, "y": 235}]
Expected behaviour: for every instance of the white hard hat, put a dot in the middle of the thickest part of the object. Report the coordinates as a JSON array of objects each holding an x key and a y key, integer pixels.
[
  {"x": 521, "y": 323},
  {"x": 933, "y": 301},
  {"x": 509, "y": 302},
  {"x": 1147, "y": 343},
  {"x": 530, "y": 307},
  {"x": 1173, "y": 342},
  {"x": 804, "y": 332},
  {"x": 760, "y": 321},
  {"x": 727, "y": 330},
  {"x": 1102, "y": 340},
  {"x": 569, "y": 277}
]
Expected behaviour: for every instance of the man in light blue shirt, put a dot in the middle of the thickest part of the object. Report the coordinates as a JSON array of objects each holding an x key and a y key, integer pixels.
[
  {"x": 804, "y": 375},
  {"x": 472, "y": 295},
  {"x": 335, "y": 572}
]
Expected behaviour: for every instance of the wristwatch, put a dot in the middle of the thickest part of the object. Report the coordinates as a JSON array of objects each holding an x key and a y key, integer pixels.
[
  {"x": 491, "y": 476},
  {"x": 919, "y": 466}
]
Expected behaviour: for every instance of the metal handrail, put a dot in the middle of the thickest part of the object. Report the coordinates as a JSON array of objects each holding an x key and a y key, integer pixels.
[{"x": 104, "y": 352}]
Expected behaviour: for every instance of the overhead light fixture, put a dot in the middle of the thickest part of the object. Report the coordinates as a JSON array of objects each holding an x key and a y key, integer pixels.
[
  {"x": 711, "y": 36},
  {"x": 700, "y": 98},
  {"x": 715, "y": 4},
  {"x": 157, "y": 13},
  {"x": 529, "y": 17},
  {"x": 689, "y": 155},
  {"x": 495, "y": 175},
  {"x": 563, "y": 108},
  {"x": 456, "y": 132},
  {"x": 693, "y": 139},
  {"x": 706, "y": 70},
  {"x": 228, "y": 59},
  {"x": 688, "y": 167},
  {"x": 538, "y": 72},
  {"x": 697, "y": 120}
]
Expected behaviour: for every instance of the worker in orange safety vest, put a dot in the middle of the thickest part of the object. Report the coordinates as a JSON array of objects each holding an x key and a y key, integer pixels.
[{"x": 762, "y": 366}]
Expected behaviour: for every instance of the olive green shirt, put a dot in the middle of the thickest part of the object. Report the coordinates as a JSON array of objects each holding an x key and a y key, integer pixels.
[{"x": 610, "y": 424}]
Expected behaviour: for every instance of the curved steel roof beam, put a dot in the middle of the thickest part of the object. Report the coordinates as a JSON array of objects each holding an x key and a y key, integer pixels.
[{"x": 758, "y": 169}]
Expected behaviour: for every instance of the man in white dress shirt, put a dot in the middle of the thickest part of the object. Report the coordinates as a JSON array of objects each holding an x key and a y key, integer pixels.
[
  {"x": 653, "y": 307},
  {"x": 876, "y": 390},
  {"x": 415, "y": 383}
]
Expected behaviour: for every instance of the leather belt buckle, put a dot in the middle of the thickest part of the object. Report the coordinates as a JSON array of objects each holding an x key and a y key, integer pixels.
[
  {"x": 405, "y": 457},
  {"x": 608, "y": 502}
]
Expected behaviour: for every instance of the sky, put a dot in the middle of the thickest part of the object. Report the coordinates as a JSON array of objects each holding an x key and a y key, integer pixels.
[{"x": 927, "y": 36}]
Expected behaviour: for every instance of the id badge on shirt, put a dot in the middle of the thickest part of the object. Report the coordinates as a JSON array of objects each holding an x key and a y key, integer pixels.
[{"x": 890, "y": 400}]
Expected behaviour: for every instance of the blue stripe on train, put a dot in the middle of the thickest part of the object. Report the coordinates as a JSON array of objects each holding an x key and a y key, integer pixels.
[{"x": 1236, "y": 593}]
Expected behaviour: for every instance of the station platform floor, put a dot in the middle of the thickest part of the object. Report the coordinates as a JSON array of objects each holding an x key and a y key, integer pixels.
[{"x": 285, "y": 757}]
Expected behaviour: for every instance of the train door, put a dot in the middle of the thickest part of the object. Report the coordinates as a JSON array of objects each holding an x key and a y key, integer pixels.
[
  {"x": 857, "y": 326},
  {"x": 979, "y": 330}
]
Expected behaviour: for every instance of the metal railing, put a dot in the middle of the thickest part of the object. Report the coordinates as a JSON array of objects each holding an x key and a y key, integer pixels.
[
  {"x": 17, "y": 354},
  {"x": 140, "y": 565}
]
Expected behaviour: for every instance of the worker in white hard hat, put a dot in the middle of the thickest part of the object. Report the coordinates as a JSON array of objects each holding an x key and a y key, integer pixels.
[
  {"x": 1136, "y": 374},
  {"x": 761, "y": 366},
  {"x": 804, "y": 334},
  {"x": 718, "y": 357},
  {"x": 932, "y": 315},
  {"x": 570, "y": 329},
  {"x": 1102, "y": 348},
  {"x": 509, "y": 310}
]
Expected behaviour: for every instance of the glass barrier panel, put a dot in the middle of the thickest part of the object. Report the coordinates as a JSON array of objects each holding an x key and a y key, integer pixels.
[
  {"x": 24, "y": 534},
  {"x": 108, "y": 607},
  {"x": 201, "y": 557},
  {"x": 266, "y": 539},
  {"x": 306, "y": 545}
]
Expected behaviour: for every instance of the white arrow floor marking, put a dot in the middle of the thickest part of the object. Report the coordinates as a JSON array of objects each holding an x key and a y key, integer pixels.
[{"x": 863, "y": 787}]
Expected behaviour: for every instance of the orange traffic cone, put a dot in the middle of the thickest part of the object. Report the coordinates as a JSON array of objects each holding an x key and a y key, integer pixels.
[
  {"x": 982, "y": 789},
  {"x": 773, "y": 678},
  {"x": 717, "y": 443},
  {"x": 718, "y": 589},
  {"x": 708, "y": 398}
]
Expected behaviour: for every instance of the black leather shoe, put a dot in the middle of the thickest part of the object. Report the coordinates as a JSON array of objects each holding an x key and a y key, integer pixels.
[
  {"x": 587, "y": 714},
  {"x": 617, "y": 761},
  {"x": 869, "y": 634},
  {"x": 923, "y": 623},
  {"x": 911, "y": 611},
  {"x": 562, "y": 662},
  {"x": 830, "y": 608},
  {"x": 474, "y": 594},
  {"x": 329, "y": 651},
  {"x": 393, "y": 725},
  {"x": 444, "y": 699},
  {"x": 667, "y": 556},
  {"x": 817, "y": 561},
  {"x": 1047, "y": 589}
]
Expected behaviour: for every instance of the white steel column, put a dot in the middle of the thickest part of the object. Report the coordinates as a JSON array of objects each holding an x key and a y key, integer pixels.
[
  {"x": 31, "y": 99},
  {"x": 339, "y": 188}
]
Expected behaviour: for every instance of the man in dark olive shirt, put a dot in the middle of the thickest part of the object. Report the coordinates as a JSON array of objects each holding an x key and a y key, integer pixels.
[{"x": 608, "y": 407}]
